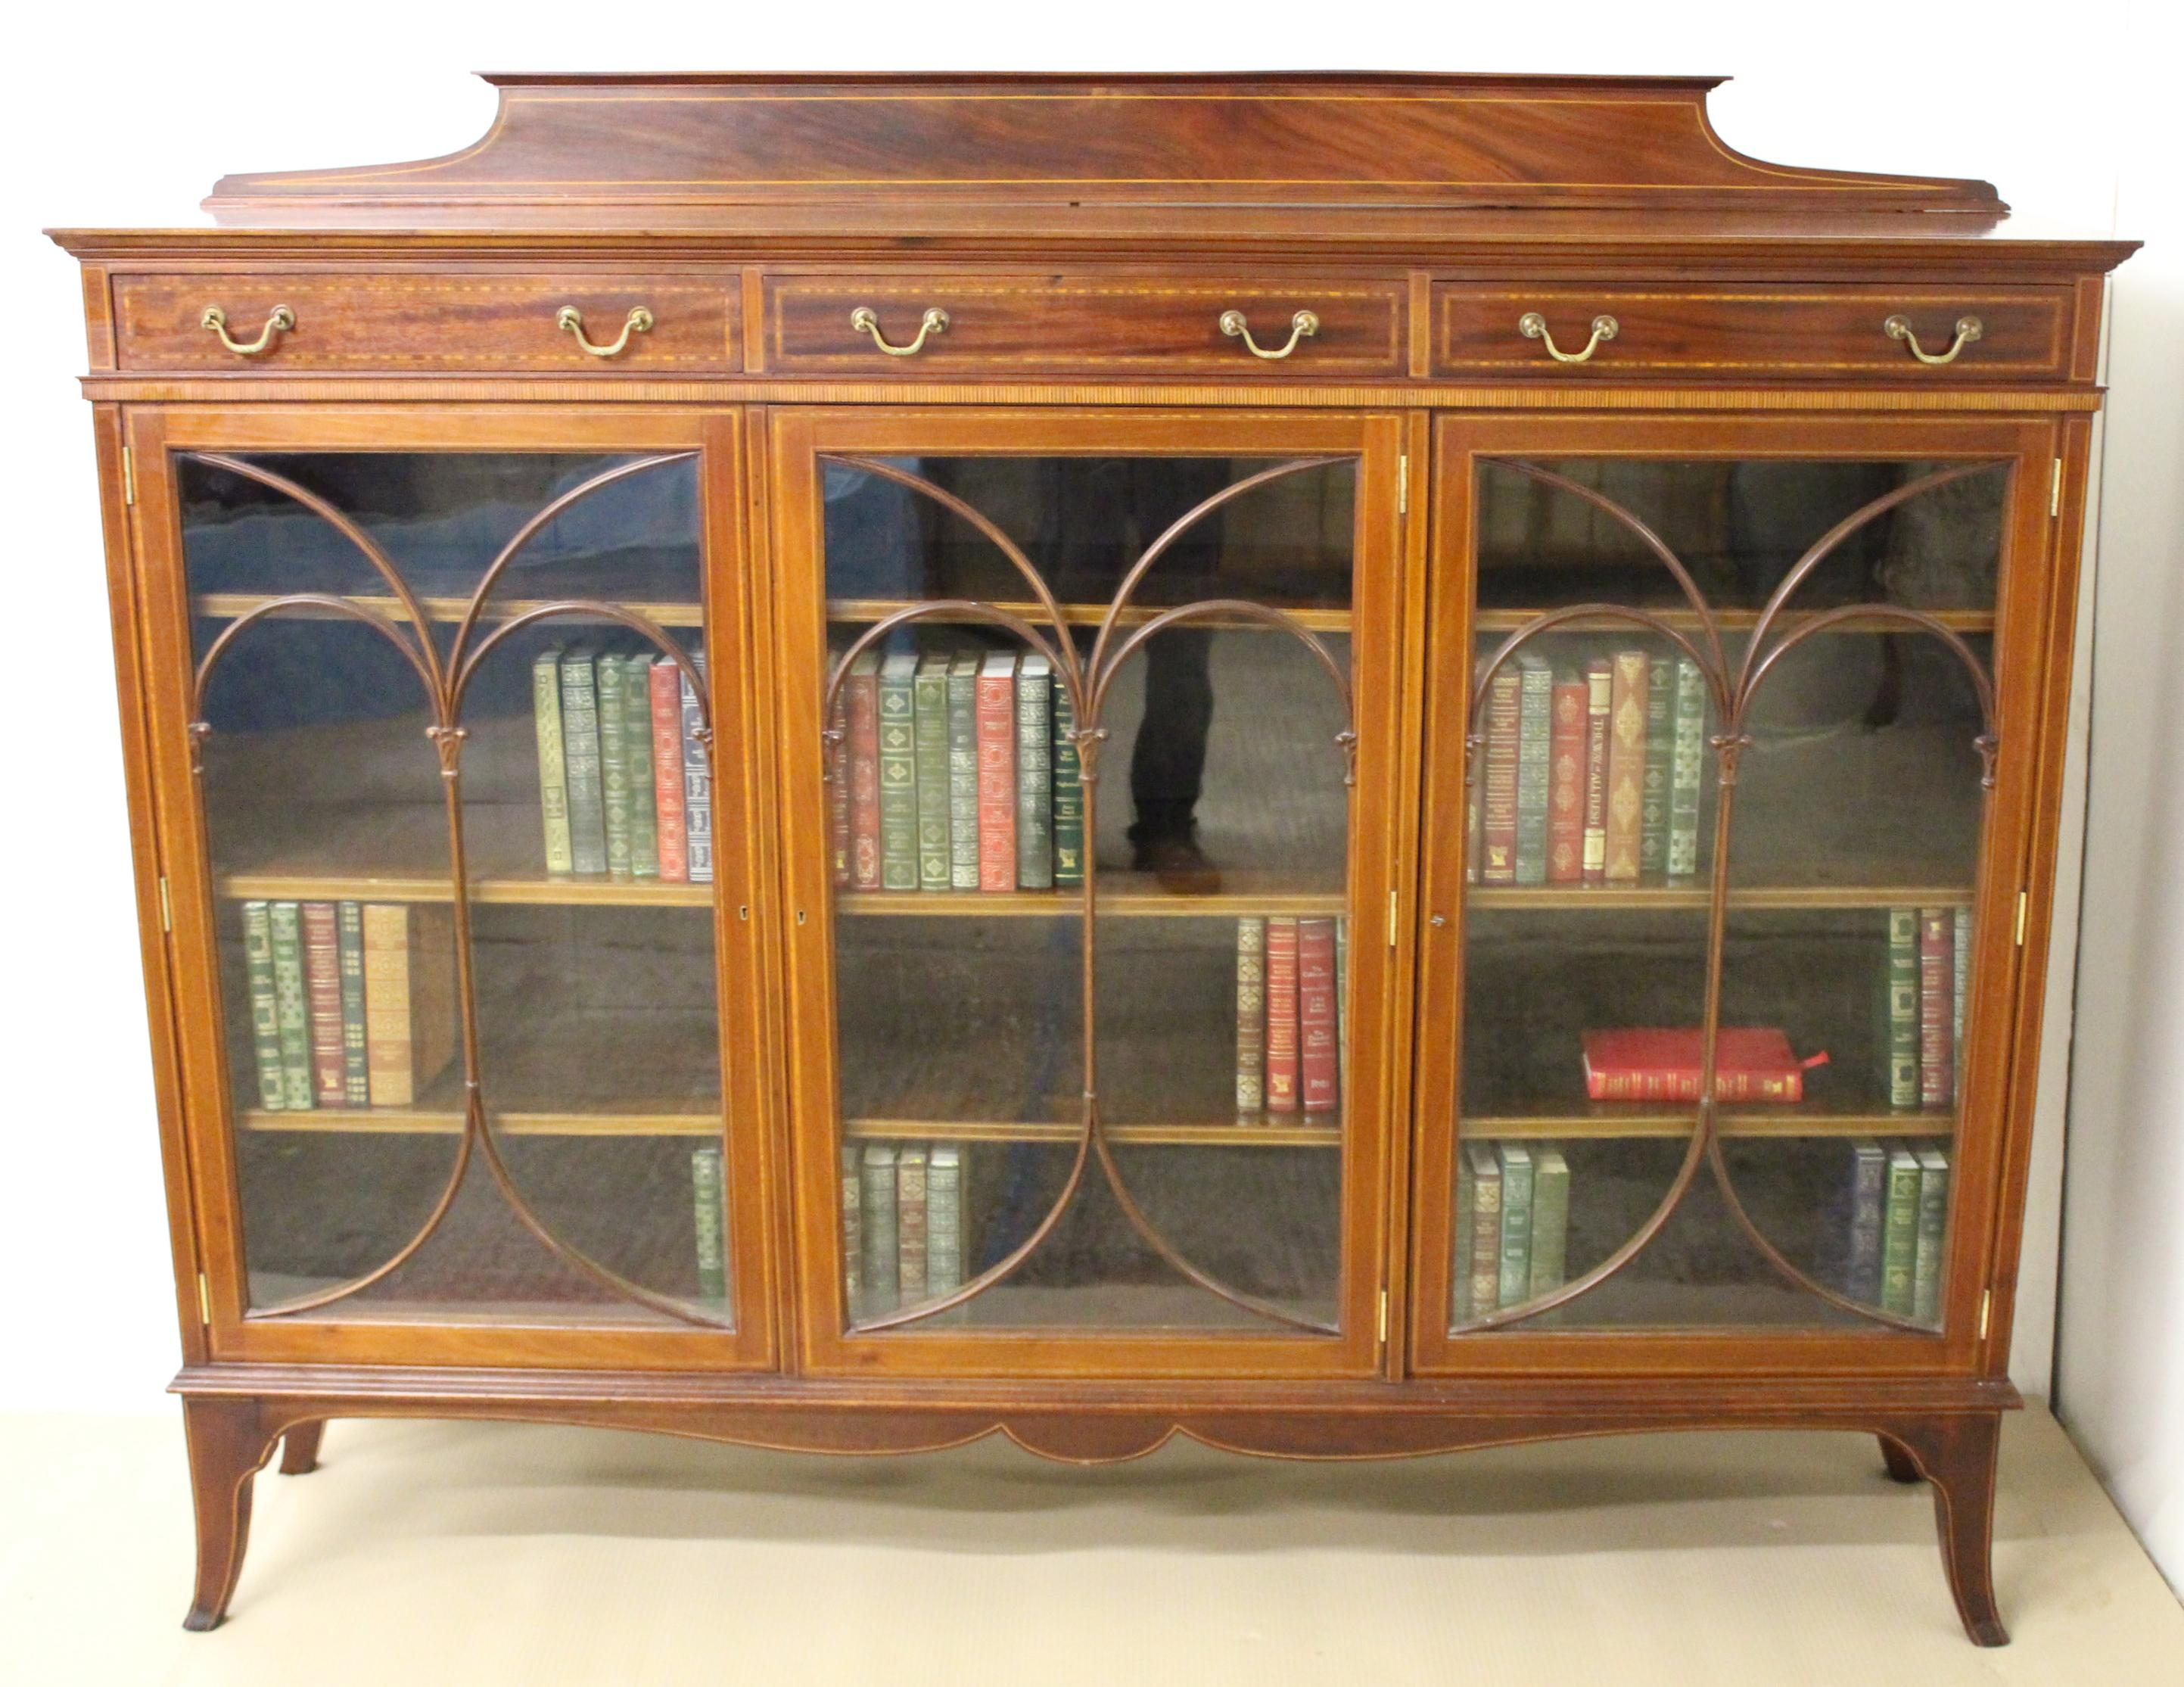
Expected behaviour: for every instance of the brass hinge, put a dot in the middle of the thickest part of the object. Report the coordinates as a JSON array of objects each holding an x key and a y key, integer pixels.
[
  {"x": 1393, "y": 921},
  {"x": 1403, "y": 486},
  {"x": 128, "y": 476},
  {"x": 2055, "y": 489},
  {"x": 2021, "y": 900},
  {"x": 204, "y": 1301},
  {"x": 166, "y": 906},
  {"x": 1384, "y": 1318},
  {"x": 1987, "y": 1305}
]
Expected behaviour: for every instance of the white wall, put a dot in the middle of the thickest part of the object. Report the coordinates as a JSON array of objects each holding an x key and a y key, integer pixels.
[{"x": 137, "y": 130}]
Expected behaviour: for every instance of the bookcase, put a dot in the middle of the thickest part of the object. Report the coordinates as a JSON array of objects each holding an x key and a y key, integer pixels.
[{"x": 1353, "y": 765}]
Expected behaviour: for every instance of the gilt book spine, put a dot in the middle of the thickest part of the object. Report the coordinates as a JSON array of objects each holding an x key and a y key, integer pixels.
[
  {"x": 838, "y": 787},
  {"x": 1656, "y": 787},
  {"x": 408, "y": 997},
  {"x": 1485, "y": 1229},
  {"x": 553, "y": 769},
  {"x": 1868, "y": 1202},
  {"x": 997, "y": 773},
  {"x": 1933, "y": 1236},
  {"x": 1960, "y": 953},
  {"x": 1899, "y": 1235},
  {"x": 1566, "y": 784},
  {"x": 644, "y": 785},
  {"x": 1903, "y": 1007},
  {"x": 322, "y": 986},
  {"x": 1515, "y": 1276},
  {"x": 1937, "y": 981},
  {"x": 1459, "y": 1272},
  {"x": 898, "y": 728},
  {"x": 929, "y": 702},
  {"x": 265, "y": 1006},
  {"x": 1497, "y": 802},
  {"x": 1686, "y": 766},
  {"x": 1316, "y": 1049},
  {"x": 1535, "y": 688},
  {"x": 1282, "y": 1047},
  {"x": 853, "y": 1226},
  {"x": 910, "y": 1222},
  {"x": 356, "y": 1072},
  {"x": 1068, "y": 794},
  {"x": 1626, "y": 765},
  {"x": 883, "y": 1289},
  {"x": 862, "y": 690},
  {"x": 1034, "y": 774},
  {"x": 943, "y": 1220},
  {"x": 1342, "y": 1009},
  {"x": 1551, "y": 1190},
  {"x": 580, "y": 752},
  {"x": 709, "y": 1219},
  {"x": 667, "y": 770},
  {"x": 1599, "y": 700},
  {"x": 697, "y": 777},
  {"x": 963, "y": 772},
  {"x": 292, "y": 1000},
  {"x": 616, "y": 793},
  {"x": 1250, "y": 1015}
]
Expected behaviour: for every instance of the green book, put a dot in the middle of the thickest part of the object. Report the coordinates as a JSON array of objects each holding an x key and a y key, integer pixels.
[
  {"x": 1903, "y": 999},
  {"x": 1459, "y": 1274},
  {"x": 929, "y": 739},
  {"x": 897, "y": 765},
  {"x": 853, "y": 1226},
  {"x": 292, "y": 1005},
  {"x": 643, "y": 786},
  {"x": 943, "y": 1220},
  {"x": 963, "y": 770},
  {"x": 1656, "y": 792},
  {"x": 1535, "y": 692},
  {"x": 1034, "y": 774},
  {"x": 882, "y": 1283},
  {"x": 356, "y": 1070},
  {"x": 1516, "y": 1275},
  {"x": 614, "y": 794},
  {"x": 264, "y": 1010},
  {"x": 1485, "y": 1228},
  {"x": 1068, "y": 794},
  {"x": 552, "y": 771},
  {"x": 1933, "y": 1235},
  {"x": 1899, "y": 1233},
  {"x": 1868, "y": 1198},
  {"x": 707, "y": 1189},
  {"x": 1550, "y": 1220},
  {"x": 580, "y": 755},
  {"x": 1686, "y": 765}
]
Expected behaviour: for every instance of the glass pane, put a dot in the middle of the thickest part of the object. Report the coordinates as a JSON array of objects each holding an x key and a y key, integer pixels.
[
  {"x": 965, "y": 837},
  {"x": 584, "y": 802},
  {"x": 1855, "y": 818}
]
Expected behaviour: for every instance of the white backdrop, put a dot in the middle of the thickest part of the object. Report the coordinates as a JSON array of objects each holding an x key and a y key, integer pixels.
[{"x": 2068, "y": 109}]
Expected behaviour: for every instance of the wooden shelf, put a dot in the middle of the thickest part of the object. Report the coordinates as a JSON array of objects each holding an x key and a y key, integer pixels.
[
  {"x": 1608, "y": 1119},
  {"x": 405, "y": 1120},
  {"x": 855, "y": 609},
  {"x": 1132, "y": 894},
  {"x": 1253, "y": 1133},
  {"x": 1505, "y": 621},
  {"x": 600, "y": 892},
  {"x": 1568, "y": 899},
  {"x": 227, "y": 605}
]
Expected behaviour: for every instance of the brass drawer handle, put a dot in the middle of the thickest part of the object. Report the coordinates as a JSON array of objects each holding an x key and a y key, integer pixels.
[
  {"x": 572, "y": 320},
  {"x": 863, "y": 320},
  {"x": 1969, "y": 328},
  {"x": 1533, "y": 326},
  {"x": 1302, "y": 326},
  {"x": 280, "y": 322}
]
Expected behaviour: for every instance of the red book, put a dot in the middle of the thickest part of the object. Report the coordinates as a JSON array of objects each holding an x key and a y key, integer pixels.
[
  {"x": 860, "y": 693},
  {"x": 1316, "y": 1047},
  {"x": 1626, "y": 764},
  {"x": 1599, "y": 690},
  {"x": 997, "y": 773},
  {"x": 323, "y": 995},
  {"x": 837, "y": 787},
  {"x": 667, "y": 769},
  {"x": 1565, "y": 783},
  {"x": 1751, "y": 1063},
  {"x": 1497, "y": 803},
  {"x": 1281, "y": 1014},
  {"x": 1937, "y": 1007}
]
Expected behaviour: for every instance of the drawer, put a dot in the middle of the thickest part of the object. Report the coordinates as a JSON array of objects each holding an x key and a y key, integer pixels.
[
  {"x": 1113, "y": 326},
  {"x": 1819, "y": 331},
  {"x": 508, "y": 324}
]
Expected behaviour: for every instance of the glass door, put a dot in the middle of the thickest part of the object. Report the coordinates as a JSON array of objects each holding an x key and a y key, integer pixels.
[
  {"x": 448, "y": 722},
  {"x": 1730, "y": 755},
  {"x": 1088, "y": 728}
]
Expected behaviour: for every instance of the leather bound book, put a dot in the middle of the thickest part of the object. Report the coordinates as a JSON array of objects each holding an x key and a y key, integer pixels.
[
  {"x": 580, "y": 755},
  {"x": 1282, "y": 1049},
  {"x": 265, "y": 1006},
  {"x": 1316, "y": 1049},
  {"x": 291, "y": 1004},
  {"x": 1686, "y": 766},
  {"x": 997, "y": 773},
  {"x": 1251, "y": 1016},
  {"x": 910, "y": 1217},
  {"x": 1068, "y": 794},
  {"x": 667, "y": 777},
  {"x": 1034, "y": 774},
  {"x": 697, "y": 779},
  {"x": 553, "y": 769},
  {"x": 408, "y": 997},
  {"x": 323, "y": 996},
  {"x": 898, "y": 767},
  {"x": 1535, "y": 730},
  {"x": 615, "y": 791},
  {"x": 1937, "y": 990},
  {"x": 963, "y": 770},
  {"x": 1901, "y": 985},
  {"x": 929, "y": 698},
  {"x": 1565, "y": 783},
  {"x": 1498, "y": 800},
  {"x": 356, "y": 1075},
  {"x": 861, "y": 692},
  {"x": 637, "y": 750},
  {"x": 1655, "y": 785},
  {"x": 1599, "y": 696},
  {"x": 1751, "y": 1063},
  {"x": 1626, "y": 765}
]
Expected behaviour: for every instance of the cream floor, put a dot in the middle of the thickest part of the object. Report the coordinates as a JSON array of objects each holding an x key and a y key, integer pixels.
[{"x": 482, "y": 1554}]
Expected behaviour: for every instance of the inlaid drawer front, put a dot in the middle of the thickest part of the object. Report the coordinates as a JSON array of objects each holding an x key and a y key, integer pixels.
[
  {"x": 505, "y": 324},
  {"x": 913, "y": 327},
  {"x": 1914, "y": 333}
]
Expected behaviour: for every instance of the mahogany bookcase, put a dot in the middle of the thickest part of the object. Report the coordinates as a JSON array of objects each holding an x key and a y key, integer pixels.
[{"x": 1463, "y": 564}]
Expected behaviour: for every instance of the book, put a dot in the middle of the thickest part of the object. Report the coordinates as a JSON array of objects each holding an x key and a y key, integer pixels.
[
  {"x": 1932, "y": 1243},
  {"x": 1497, "y": 802},
  {"x": 943, "y": 1220},
  {"x": 997, "y": 773},
  {"x": 882, "y": 1267},
  {"x": 356, "y": 1072},
  {"x": 697, "y": 778},
  {"x": 963, "y": 770},
  {"x": 837, "y": 786},
  {"x": 580, "y": 756},
  {"x": 1550, "y": 1221},
  {"x": 1282, "y": 1045},
  {"x": 1868, "y": 1197},
  {"x": 708, "y": 1216},
  {"x": 1342, "y": 1009},
  {"x": 1317, "y": 1063},
  {"x": 929, "y": 737},
  {"x": 667, "y": 770},
  {"x": 322, "y": 994},
  {"x": 1566, "y": 782},
  {"x": 1034, "y": 774},
  {"x": 291, "y": 1004},
  {"x": 637, "y": 751},
  {"x": 1068, "y": 794},
  {"x": 853, "y": 1227},
  {"x": 1686, "y": 767},
  {"x": 1899, "y": 1233},
  {"x": 1474, "y": 829},
  {"x": 1960, "y": 951},
  {"x": 617, "y": 796},
  {"x": 1937, "y": 990},
  {"x": 1653, "y": 794},
  {"x": 898, "y": 771},
  {"x": 1751, "y": 1063},
  {"x": 1459, "y": 1272},
  {"x": 264, "y": 1009},
  {"x": 1250, "y": 1014},
  {"x": 909, "y": 1227},
  {"x": 1535, "y": 687},
  {"x": 1599, "y": 699},
  {"x": 860, "y": 693},
  {"x": 1485, "y": 1228},
  {"x": 1516, "y": 1268},
  {"x": 1626, "y": 764},
  {"x": 553, "y": 770},
  {"x": 408, "y": 997},
  {"x": 1903, "y": 999}
]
